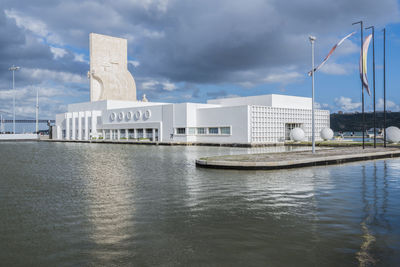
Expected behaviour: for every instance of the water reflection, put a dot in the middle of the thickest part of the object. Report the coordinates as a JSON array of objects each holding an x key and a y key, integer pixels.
[
  {"x": 363, "y": 255},
  {"x": 97, "y": 204},
  {"x": 110, "y": 191}
]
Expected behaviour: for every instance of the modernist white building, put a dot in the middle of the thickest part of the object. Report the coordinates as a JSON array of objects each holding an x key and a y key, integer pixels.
[{"x": 242, "y": 120}]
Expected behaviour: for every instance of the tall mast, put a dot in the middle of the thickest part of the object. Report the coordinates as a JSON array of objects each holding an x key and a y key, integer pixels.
[
  {"x": 384, "y": 87},
  {"x": 37, "y": 111}
]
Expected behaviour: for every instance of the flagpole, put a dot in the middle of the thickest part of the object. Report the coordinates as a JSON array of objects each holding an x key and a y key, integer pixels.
[
  {"x": 373, "y": 64},
  {"x": 384, "y": 87},
  {"x": 362, "y": 86},
  {"x": 37, "y": 111},
  {"x": 312, "y": 40}
]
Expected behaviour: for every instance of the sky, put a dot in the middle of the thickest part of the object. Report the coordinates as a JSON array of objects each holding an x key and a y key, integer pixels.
[{"x": 192, "y": 51}]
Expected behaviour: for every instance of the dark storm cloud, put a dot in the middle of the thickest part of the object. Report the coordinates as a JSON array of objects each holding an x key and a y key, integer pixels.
[
  {"x": 187, "y": 42},
  {"x": 210, "y": 41}
]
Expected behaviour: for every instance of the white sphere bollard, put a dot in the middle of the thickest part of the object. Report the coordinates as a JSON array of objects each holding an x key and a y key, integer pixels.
[
  {"x": 393, "y": 134},
  {"x": 326, "y": 134},
  {"x": 297, "y": 134}
]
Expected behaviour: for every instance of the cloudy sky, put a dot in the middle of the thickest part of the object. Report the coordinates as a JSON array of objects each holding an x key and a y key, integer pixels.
[{"x": 191, "y": 51}]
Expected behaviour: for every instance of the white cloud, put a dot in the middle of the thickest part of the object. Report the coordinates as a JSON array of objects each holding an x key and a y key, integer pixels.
[
  {"x": 34, "y": 25},
  {"x": 51, "y": 100},
  {"x": 149, "y": 85},
  {"x": 169, "y": 86},
  {"x": 348, "y": 47},
  {"x": 29, "y": 92},
  {"x": 390, "y": 105},
  {"x": 284, "y": 77},
  {"x": 58, "y": 52},
  {"x": 134, "y": 63},
  {"x": 246, "y": 84},
  {"x": 159, "y": 5},
  {"x": 60, "y": 76},
  {"x": 338, "y": 69},
  {"x": 154, "y": 85},
  {"x": 80, "y": 58},
  {"x": 346, "y": 103},
  {"x": 153, "y": 34}
]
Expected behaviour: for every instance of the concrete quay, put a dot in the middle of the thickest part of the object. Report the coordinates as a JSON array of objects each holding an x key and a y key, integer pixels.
[
  {"x": 156, "y": 143},
  {"x": 19, "y": 137},
  {"x": 339, "y": 143},
  {"x": 287, "y": 160}
]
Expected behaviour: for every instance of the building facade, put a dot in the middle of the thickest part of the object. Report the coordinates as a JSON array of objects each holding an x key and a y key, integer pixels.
[
  {"x": 242, "y": 120},
  {"x": 113, "y": 112}
]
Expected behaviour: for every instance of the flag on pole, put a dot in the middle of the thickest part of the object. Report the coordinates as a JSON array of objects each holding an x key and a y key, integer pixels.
[
  {"x": 363, "y": 62},
  {"x": 331, "y": 52}
]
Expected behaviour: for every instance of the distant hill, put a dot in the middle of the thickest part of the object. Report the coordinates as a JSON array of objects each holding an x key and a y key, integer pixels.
[{"x": 353, "y": 121}]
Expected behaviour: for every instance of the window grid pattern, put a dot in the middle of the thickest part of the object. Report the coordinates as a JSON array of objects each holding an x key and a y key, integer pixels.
[{"x": 268, "y": 123}]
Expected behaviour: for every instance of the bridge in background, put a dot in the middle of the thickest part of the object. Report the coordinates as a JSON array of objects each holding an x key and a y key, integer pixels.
[{"x": 28, "y": 121}]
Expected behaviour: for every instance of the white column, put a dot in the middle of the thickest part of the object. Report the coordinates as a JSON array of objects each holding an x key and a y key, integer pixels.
[
  {"x": 67, "y": 123},
  {"x": 154, "y": 135},
  {"x": 111, "y": 137},
  {"x": 94, "y": 123},
  {"x": 103, "y": 133},
  {"x": 87, "y": 114},
  {"x": 134, "y": 133},
  {"x": 144, "y": 133},
  {"x": 127, "y": 134},
  {"x": 118, "y": 134},
  {"x": 80, "y": 116},
  {"x": 74, "y": 115},
  {"x": 160, "y": 138},
  {"x": 59, "y": 132}
]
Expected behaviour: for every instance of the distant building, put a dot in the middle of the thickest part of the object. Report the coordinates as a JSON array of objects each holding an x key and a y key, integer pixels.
[{"x": 240, "y": 120}]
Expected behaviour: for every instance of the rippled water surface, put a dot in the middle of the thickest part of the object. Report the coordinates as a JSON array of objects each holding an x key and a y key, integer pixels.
[{"x": 70, "y": 204}]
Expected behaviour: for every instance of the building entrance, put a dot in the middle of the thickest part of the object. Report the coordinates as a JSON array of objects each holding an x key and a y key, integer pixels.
[{"x": 289, "y": 127}]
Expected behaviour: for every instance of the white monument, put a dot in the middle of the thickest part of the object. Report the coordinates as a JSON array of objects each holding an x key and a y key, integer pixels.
[{"x": 109, "y": 75}]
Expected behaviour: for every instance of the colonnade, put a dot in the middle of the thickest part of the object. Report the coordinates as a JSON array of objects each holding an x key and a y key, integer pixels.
[
  {"x": 117, "y": 134},
  {"x": 77, "y": 125}
]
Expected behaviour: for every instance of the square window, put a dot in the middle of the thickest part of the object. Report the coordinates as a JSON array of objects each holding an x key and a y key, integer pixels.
[
  {"x": 201, "y": 130},
  {"x": 213, "y": 130},
  {"x": 180, "y": 130}
]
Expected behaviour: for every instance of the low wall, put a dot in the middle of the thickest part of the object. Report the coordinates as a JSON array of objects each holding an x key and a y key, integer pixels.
[{"x": 19, "y": 137}]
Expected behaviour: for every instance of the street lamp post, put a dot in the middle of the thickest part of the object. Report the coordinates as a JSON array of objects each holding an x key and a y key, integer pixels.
[
  {"x": 312, "y": 40},
  {"x": 13, "y": 69}
]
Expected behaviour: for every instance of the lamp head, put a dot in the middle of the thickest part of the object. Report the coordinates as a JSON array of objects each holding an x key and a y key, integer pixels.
[
  {"x": 14, "y": 68},
  {"x": 312, "y": 38}
]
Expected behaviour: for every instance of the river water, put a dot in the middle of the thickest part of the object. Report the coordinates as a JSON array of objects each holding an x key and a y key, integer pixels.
[{"x": 71, "y": 204}]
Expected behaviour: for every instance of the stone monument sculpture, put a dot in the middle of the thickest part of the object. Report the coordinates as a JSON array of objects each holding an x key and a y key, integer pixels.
[{"x": 109, "y": 75}]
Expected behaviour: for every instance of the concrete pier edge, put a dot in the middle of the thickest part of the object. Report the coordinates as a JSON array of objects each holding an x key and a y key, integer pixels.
[
  {"x": 126, "y": 142},
  {"x": 288, "y": 164}
]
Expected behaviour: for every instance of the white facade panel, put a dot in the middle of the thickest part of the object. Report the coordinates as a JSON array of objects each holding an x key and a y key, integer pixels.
[
  {"x": 271, "y": 124},
  {"x": 281, "y": 101},
  {"x": 236, "y": 118}
]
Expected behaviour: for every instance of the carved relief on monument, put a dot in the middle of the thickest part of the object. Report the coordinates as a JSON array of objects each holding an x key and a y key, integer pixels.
[{"x": 109, "y": 75}]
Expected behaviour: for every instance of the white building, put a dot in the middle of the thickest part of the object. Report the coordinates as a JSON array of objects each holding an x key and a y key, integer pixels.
[{"x": 241, "y": 120}]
